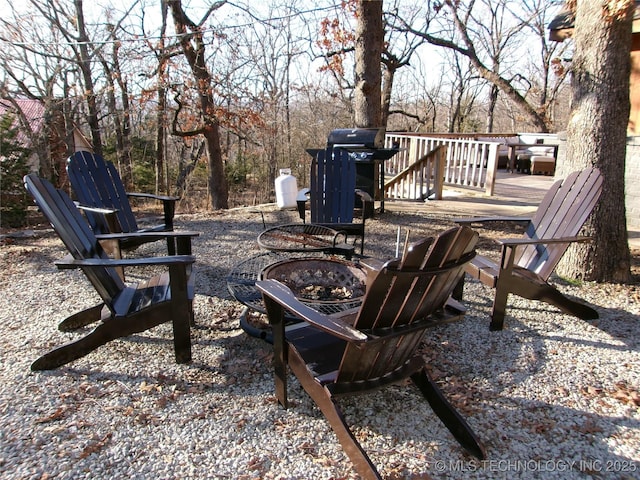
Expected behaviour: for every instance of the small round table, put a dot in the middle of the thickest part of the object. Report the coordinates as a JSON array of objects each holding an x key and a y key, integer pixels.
[{"x": 304, "y": 237}]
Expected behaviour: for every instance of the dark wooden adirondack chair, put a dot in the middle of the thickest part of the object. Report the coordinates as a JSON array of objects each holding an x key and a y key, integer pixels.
[
  {"x": 126, "y": 309},
  {"x": 526, "y": 263},
  {"x": 377, "y": 345},
  {"x": 97, "y": 184},
  {"x": 332, "y": 194}
]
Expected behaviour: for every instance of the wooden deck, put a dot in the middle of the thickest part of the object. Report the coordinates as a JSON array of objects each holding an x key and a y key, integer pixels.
[{"x": 515, "y": 194}]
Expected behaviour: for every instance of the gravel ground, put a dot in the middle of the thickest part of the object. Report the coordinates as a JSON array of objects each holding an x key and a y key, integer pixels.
[{"x": 550, "y": 396}]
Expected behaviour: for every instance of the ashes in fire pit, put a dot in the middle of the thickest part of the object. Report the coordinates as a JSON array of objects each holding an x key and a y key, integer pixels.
[{"x": 319, "y": 280}]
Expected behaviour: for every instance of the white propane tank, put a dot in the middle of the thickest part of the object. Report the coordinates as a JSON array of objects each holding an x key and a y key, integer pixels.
[{"x": 286, "y": 189}]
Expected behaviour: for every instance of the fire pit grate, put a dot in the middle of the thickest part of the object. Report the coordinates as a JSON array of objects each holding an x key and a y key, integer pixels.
[{"x": 319, "y": 280}]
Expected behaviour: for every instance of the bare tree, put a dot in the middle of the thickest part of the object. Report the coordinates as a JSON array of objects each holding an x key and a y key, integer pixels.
[
  {"x": 163, "y": 54},
  {"x": 397, "y": 51},
  {"x": 596, "y": 134},
  {"x": 161, "y": 110},
  {"x": 270, "y": 48},
  {"x": 368, "y": 49},
  {"x": 418, "y": 102},
  {"x": 33, "y": 62},
  {"x": 463, "y": 94},
  {"x": 463, "y": 27},
  {"x": 119, "y": 112},
  {"x": 548, "y": 72},
  {"x": 80, "y": 43},
  {"x": 375, "y": 31},
  {"x": 191, "y": 38}
]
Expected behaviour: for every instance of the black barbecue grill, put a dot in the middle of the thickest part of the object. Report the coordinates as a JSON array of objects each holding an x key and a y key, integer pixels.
[{"x": 366, "y": 148}]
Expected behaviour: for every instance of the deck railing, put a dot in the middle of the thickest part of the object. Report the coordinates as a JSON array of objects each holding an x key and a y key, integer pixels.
[
  {"x": 466, "y": 163},
  {"x": 422, "y": 179}
]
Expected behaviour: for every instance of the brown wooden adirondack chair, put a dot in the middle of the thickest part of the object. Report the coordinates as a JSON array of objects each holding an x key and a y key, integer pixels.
[
  {"x": 126, "y": 309},
  {"x": 526, "y": 263},
  {"x": 377, "y": 345},
  {"x": 97, "y": 184}
]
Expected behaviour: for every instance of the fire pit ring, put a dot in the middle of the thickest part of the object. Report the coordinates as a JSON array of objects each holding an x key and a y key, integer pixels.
[{"x": 319, "y": 280}]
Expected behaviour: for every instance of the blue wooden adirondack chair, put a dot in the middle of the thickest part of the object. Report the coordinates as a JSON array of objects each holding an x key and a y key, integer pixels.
[
  {"x": 332, "y": 194},
  {"x": 126, "y": 308},
  {"x": 97, "y": 184}
]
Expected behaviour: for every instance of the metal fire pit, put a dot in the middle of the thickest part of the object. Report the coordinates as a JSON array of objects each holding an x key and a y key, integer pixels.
[{"x": 320, "y": 280}]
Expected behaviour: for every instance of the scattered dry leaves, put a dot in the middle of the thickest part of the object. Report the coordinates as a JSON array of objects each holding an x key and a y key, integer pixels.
[
  {"x": 625, "y": 394},
  {"x": 95, "y": 446}
]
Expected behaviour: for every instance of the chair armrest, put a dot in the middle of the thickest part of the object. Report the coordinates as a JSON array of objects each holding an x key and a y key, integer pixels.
[
  {"x": 470, "y": 220},
  {"x": 177, "y": 242},
  {"x": 364, "y": 196},
  {"x": 302, "y": 195},
  {"x": 367, "y": 203},
  {"x": 162, "y": 198},
  {"x": 147, "y": 235},
  {"x": 109, "y": 216},
  {"x": 168, "y": 205},
  {"x": 103, "y": 211},
  {"x": 69, "y": 262},
  {"x": 509, "y": 242},
  {"x": 372, "y": 264},
  {"x": 510, "y": 246},
  {"x": 283, "y": 295},
  {"x": 301, "y": 201}
]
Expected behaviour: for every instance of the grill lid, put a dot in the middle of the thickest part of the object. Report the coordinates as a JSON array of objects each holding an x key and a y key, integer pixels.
[
  {"x": 357, "y": 137},
  {"x": 365, "y": 144}
]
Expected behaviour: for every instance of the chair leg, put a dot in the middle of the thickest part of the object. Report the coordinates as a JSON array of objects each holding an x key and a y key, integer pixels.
[
  {"x": 552, "y": 296},
  {"x": 181, "y": 313},
  {"x": 81, "y": 319},
  {"x": 101, "y": 335},
  {"x": 171, "y": 246},
  {"x": 536, "y": 291},
  {"x": 275, "y": 312},
  {"x": 499, "y": 307},
  {"x": 458, "y": 290},
  {"x": 448, "y": 415},
  {"x": 106, "y": 331},
  {"x": 334, "y": 416},
  {"x": 182, "y": 333}
]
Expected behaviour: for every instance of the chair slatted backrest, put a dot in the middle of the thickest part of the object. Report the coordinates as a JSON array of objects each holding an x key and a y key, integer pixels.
[
  {"x": 333, "y": 184},
  {"x": 403, "y": 293},
  {"x": 97, "y": 183},
  {"x": 561, "y": 213},
  {"x": 73, "y": 230}
]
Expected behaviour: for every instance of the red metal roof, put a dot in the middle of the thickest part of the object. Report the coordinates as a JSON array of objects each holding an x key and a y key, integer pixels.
[{"x": 32, "y": 110}]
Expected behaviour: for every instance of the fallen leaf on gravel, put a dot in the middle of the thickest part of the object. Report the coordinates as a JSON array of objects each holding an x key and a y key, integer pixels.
[
  {"x": 590, "y": 426},
  {"x": 147, "y": 388},
  {"x": 308, "y": 448},
  {"x": 591, "y": 391},
  {"x": 95, "y": 446},
  {"x": 57, "y": 415},
  {"x": 626, "y": 394},
  {"x": 255, "y": 464}
]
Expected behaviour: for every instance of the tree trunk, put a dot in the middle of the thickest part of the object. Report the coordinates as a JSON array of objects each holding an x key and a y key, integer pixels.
[
  {"x": 596, "y": 134},
  {"x": 84, "y": 62},
  {"x": 491, "y": 109},
  {"x": 161, "y": 109},
  {"x": 387, "y": 86},
  {"x": 195, "y": 55},
  {"x": 368, "y": 81}
]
